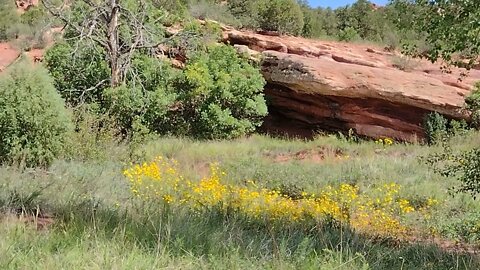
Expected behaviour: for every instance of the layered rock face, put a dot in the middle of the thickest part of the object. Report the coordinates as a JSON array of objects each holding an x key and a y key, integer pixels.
[{"x": 322, "y": 85}]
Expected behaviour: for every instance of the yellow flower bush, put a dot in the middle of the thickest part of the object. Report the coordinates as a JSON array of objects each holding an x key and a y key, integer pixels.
[
  {"x": 379, "y": 213},
  {"x": 385, "y": 141}
]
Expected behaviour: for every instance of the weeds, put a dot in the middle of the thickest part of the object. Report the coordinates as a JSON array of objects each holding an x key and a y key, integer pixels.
[{"x": 98, "y": 224}]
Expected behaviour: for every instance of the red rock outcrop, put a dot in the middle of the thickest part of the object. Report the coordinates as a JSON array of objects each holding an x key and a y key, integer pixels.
[{"x": 325, "y": 85}]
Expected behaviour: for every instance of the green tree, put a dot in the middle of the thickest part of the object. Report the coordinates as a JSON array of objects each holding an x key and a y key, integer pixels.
[
  {"x": 246, "y": 11},
  {"x": 284, "y": 16},
  {"x": 312, "y": 22},
  {"x": 147, "y": 99},
  {"x": 80, "y": 72},
  {"x": 119, "y": 27},
  {"x": 34, "y": 124},
  {"x": 451, "y": 28},
  {"x": 222, "y": 94},
  {"x": 217, "y": 96}
]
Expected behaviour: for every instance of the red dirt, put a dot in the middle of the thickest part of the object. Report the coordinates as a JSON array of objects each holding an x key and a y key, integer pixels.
[{"x": 8, "y": 54}]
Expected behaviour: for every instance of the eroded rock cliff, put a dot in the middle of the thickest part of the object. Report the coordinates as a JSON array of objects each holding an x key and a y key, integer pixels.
[{"x": 324, "y": 85}]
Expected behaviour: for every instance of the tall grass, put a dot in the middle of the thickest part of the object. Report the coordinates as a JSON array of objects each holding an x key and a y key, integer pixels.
[{"x": 98, "y": 225}]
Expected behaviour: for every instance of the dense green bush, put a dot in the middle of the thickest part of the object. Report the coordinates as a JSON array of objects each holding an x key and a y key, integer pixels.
[
  {"x": 348, "y": 34},
  {"x": 284, "y": 16},
  {"x": 435, "y": 126},
  {"x": 222, "y": 94},
  {"x": 146, "y": 98},
  {"x": 218, "y": 95},
  {"x": 34, "y": 123},
  {"x": 245, "y": 11},
  {"x": 80, "y": 72},
  {"x": 473, "y": 105},
  {"x": 34, "y": 16},
  {"x": 465, "y": 166}
]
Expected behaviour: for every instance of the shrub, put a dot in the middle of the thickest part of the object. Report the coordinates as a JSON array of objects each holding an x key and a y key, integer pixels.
[
  {"x": 34, "y": 123},
  {"x": 473, "y": 104},
  {"x": 284, "y": 16},
  {"x": 245, "y": 11},
  {"x": 218, "y": 95},
  {"x": 465, "y": 166},
  {"x": 435, "y": 126},
  {"x": 94, "y": 137},
  {"x": 78, "y": 72},
  {"x": 146, "y": 98},
  {"x": 34, "y": 16},
  {"x": 465, "y": 229},
  {"x": 206, "y": 10},
  {"x": 222, "y": 94},
  {"x": 405, "y": 63},
  {"x": 391, "y": 39},
  {"x": 9, "y": 19},
  {"x": 312, "y": 26},
  {"x": 382, "y": 212},
  {"x": 348, "y": 34}
]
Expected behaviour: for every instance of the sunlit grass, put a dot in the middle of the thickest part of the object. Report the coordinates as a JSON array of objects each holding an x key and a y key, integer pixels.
[{"x": 100, "y": 225}]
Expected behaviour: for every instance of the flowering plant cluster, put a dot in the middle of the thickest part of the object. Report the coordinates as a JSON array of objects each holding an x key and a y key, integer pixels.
[
  {"x": 385, "y": 141},
  {"x": 380, "y": 213}
]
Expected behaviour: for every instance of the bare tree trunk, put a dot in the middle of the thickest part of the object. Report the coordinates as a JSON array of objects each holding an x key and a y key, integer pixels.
[
  {"x": 113, "y": 44},
  {"x": 102, "y": 27}
]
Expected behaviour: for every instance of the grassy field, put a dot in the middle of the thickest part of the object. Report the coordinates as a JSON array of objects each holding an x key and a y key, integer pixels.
[{"x": 81, "y": 214}]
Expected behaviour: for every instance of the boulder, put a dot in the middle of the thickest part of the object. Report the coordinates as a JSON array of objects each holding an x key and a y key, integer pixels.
[{"x": 323, "y": 85}]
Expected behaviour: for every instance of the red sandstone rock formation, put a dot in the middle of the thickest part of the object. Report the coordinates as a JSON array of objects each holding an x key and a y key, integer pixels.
[{"x": 315, "y": 85}]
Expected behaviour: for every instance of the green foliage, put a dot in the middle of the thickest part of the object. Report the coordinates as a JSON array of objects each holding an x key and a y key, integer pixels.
[
  {"x": 206, "y": 10},
  {"x": 473, "y": 105},
  {"x": 435, "y": 126},
  {"x": 284, "y": 16},
  {"x": 34, "y": 16},
  {"x": 93, "y": 215},
  {"x": 80, "y": 72},
  {"x": 245, "y": 11},
  {"x": 136, "y": 26},
  {"x": 218, "y": 95},
  {"x": 33, "y": 121},
  {"x": 27, "y": 29},
  {"x": 9, "y": 20},
  {"x": 196, "y": 37},
  {"x": 317, "y": 22},
  {"x": 222, "y": 94},
  {"x": 348, "y": 34},
  {"x": 451, "y": 28},
  {"x": 94, "y": 137},
  {"x": 464, "y": 166},
  {"x": 362, "y": 18},
  {"x": 146, "y": 98},
  {"x": 466, "y": 229}
]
